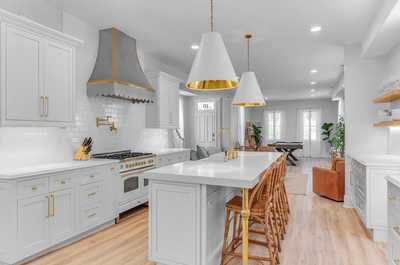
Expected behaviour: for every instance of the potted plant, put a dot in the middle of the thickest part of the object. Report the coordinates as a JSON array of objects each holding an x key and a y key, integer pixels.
[
  {"x": 257, "y": 135},
  {"x": 338, "y": 138},
  {"x": 327, "y": 130}
]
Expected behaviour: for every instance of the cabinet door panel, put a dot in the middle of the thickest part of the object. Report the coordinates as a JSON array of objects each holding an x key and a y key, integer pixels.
[
  {"x": 168, "y": 101},
  {"x": 22, "y": 75},
  {"x": 58, "y": 83},
  {"x": 33, "y": 231},
  {"x": 378, "y": 199},
  {"x": 62, "y": 223}
]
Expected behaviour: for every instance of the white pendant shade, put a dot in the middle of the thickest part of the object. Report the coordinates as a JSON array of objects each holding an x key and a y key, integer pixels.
[
  {"x": 212, "y": 68},
  {"x": 249, "y": 93}
]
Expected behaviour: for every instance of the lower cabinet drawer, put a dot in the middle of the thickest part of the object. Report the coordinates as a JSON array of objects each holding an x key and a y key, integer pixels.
[
  {"x": 33, "y": 187},
  {"x": 91, "y": 193},
  {"x": 60, "y": 183},
  {"x": 91, "y": 216},
  {"x": 90, "y": 177}
]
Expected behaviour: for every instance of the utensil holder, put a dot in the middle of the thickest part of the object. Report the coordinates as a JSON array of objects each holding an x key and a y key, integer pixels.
[{"x": 81, "y": 154}]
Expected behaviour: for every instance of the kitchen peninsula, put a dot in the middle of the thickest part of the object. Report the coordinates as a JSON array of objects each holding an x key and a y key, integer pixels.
[{"x": 187, "y": 205}]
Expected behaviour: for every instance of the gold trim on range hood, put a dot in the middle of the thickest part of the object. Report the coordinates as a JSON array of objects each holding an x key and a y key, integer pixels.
[{"x": 117, "y": 72}]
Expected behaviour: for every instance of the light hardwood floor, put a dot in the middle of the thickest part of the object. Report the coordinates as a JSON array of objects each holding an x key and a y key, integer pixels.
[{"x": 321, "y": 232}]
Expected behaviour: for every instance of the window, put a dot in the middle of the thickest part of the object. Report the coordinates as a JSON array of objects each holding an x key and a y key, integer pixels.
[
  {"x": 205, "y": 106},
  {"x": 242, "y": 126},
  {"x": 274, "y": 121},
  {"x": 310, "y": 125}
]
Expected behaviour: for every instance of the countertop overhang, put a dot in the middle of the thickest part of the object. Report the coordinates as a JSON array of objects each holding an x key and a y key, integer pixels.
[
  {"x": 41, "y": 169},
  {"x": 243, "y": 172}
]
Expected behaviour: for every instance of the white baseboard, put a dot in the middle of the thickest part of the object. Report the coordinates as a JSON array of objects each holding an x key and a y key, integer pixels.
[{"x": 348, "y": 203}]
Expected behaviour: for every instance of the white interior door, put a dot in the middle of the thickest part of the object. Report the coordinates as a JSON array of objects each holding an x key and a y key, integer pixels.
[
  {"x": 206, "y": 123},
  {"x": 309, "y": 131}
]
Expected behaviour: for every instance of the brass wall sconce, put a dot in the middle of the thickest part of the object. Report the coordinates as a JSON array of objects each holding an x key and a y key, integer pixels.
[{"x": 107, "y": 121}]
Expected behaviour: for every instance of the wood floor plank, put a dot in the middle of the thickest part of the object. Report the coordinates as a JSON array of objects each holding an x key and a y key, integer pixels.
[{"x": 320, "y": 232}]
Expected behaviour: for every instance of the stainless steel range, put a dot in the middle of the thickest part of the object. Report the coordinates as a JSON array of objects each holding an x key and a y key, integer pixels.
[{"x": 133, "y": 189}]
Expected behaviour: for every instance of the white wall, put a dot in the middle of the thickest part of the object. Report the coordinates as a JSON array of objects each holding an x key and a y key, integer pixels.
[
  {"x": 130, "y": 117},
  {"x": 329, "y": 112},
  {"x": 392, "y": 72},
  {"x": 362, "y": 79}
]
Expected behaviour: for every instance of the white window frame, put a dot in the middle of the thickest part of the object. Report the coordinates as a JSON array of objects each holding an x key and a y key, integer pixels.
[{"x": 275, "y": 128}]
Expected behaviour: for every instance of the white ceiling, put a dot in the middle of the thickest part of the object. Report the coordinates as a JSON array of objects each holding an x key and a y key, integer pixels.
[{"x": 283, "y": 49}]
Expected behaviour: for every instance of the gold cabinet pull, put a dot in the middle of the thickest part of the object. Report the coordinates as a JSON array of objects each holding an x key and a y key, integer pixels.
[
  {"x": 92, "y": 194},
  {"x": 63, "y": 182},
  {"x": 46, "y": 100},
  {"x": 34, "y": 188},
  {"x": 50, "y": 205}
]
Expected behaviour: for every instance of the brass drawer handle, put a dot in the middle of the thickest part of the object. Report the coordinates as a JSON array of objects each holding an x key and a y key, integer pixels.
[
  {"x": 34, "y": 188},
  {"x": 92, "y": 176},
  {"x": 92, "y": 215},
  {"x": 50, "y": 205},
  {"x": 92, "y": 194},
  {"x": 63, "y": 182}
]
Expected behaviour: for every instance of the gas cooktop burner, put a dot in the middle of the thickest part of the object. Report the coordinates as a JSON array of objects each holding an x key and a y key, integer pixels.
[{"x": 121, "y": 155}]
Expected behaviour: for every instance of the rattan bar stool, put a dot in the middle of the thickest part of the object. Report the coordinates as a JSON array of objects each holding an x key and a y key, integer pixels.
[{"x": 261, "y": 206}]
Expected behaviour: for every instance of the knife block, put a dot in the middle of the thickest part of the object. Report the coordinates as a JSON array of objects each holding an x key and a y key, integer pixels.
[{"x": 81, "y": 154}]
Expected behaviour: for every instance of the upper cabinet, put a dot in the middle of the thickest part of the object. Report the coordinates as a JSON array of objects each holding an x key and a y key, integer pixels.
[
  {"x": 165, "y": 113},
  {"x": 37, "y": 74}
]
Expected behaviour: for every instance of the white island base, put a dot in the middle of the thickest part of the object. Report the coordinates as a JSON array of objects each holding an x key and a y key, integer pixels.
[
  {"x": 187, "y": 205},
  {"x": 187, "y": 222}
]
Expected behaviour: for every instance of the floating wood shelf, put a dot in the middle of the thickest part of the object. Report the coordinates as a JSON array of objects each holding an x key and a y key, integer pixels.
[
  {"x": 384, "y": 124},
  {"x": 388, "y": 97}
]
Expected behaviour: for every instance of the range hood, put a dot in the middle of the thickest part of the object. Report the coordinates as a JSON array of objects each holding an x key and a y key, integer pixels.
[{"x": 117, "y": 72}]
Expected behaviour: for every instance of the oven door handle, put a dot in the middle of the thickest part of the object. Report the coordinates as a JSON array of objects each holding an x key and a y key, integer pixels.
[{"x": 135, "y": 173}]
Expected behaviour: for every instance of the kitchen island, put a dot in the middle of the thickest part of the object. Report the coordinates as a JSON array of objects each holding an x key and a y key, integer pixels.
[{"x": 187, "y": 203}]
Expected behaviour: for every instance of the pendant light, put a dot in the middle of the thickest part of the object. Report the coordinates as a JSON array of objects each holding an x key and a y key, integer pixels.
[
  {"x": 212, "y": 68},
  {"x": 249, "y": 93}
]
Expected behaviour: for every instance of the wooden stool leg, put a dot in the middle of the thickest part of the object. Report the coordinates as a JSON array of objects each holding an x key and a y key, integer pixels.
[
  {"x": 270, "y": 238},
  {"x": 226, "y": 233},
  {"x": 234, "y": 234}
]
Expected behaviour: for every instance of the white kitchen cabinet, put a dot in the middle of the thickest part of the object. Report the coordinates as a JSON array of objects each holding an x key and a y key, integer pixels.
[
  {"x": 37, "y": 74},
  {"x": 393, "y": 215},
  {"x": 165, "y": 112},
  {"x": 33, "y": 226},
  {"x": 45, "y": 210},
  {"x": 21, "y": 72},
  {"x": 62, "y": 223},
  {"x": 59, "y": 82},
  {"x": 369, "y": 193}
]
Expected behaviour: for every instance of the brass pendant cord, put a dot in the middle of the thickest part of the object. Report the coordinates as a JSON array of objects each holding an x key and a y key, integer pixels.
[
  {"x": 211, "y": 15},
  {"x": 248, "y": 37}
]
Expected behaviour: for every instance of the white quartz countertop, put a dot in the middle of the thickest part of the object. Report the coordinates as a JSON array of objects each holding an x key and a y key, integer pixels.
[
  {"x": 243, "y": 172},
  {"x": 377, "y": 160},
  {"x": 394, "y": 179},
  {"x": 21, "y": 172}
]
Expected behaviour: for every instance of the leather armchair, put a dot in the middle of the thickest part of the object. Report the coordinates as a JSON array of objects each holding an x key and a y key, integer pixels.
[{"x": 329, "y": 183}]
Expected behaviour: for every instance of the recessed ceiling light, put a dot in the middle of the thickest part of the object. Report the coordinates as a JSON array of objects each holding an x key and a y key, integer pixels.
[
  {"x": 312, "y": 90},
  {"x": 195, "y": 46},
  {"x": 313, "y": 71},
  {"x": 316, "y": 28},
  {"x": 266, "y": 98},
  {"x": 313, "y": 83}
]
